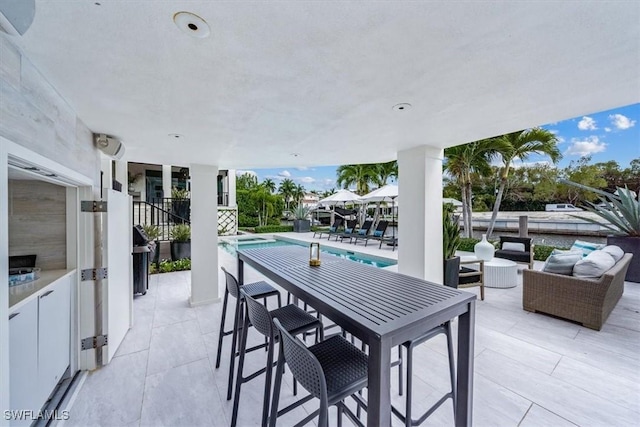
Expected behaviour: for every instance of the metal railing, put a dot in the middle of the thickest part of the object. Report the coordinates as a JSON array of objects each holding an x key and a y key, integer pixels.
[{"x": 145, "y": 213}]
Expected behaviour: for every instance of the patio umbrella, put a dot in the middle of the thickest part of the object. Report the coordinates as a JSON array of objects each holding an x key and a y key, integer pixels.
[
  {"x": 387, "y": 192},
  {"x": 340, "y": 196}
]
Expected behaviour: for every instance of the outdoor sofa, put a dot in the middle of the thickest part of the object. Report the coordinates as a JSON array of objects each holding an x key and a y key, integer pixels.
[{"x": 586, "y": 301}]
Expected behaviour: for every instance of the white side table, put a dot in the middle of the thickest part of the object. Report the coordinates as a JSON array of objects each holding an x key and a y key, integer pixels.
[{"x": 498, "y": 273}]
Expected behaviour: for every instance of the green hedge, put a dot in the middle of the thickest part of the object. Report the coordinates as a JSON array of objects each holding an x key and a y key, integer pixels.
[
  {"x": 167, "y": 266},
  {"x": 274, "y": 229},
  {"x": 467, "y": 244}
]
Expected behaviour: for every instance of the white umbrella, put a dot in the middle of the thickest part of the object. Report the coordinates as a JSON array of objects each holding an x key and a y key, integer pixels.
[
  {"x": 341, "y": 196},
  {"x": 387, "y": 192}
]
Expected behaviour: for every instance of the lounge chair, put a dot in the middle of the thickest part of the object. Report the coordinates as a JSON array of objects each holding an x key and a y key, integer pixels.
[
  {"x": 349, "y": 230},
  {"x": 338, "y": 231},
  {"x": 363, "y": 232},
  {"x": 337, "y": 223},
  {"x": 378, "y": 233}
]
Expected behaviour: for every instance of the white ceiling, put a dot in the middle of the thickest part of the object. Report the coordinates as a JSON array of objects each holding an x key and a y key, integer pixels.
[{"x": 320, "y": 78}]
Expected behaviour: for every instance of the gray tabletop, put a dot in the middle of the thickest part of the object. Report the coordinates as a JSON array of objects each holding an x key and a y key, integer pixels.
[{"x": 382, "y": 308}]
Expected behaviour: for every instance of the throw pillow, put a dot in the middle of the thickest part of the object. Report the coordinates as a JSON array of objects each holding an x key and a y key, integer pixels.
[
  {"x": 562, "y": 263},
  {"x": 593, "y": 265},
  {"x": 615, "y": 251},
  {"x": 585, "y": 247},
  {"x": 377, "y": 233},
  {"x": 332, "y": 229},
  {"x": 348, "y": 230},
  {"x": 362, "y": 231},
  {"x": 513, "y": 246}
]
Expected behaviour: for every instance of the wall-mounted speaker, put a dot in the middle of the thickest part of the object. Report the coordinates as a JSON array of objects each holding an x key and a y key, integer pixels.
[{"x": 109, "y": 145}]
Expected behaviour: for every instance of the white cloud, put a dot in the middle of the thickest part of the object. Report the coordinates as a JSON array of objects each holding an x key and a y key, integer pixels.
[
  {"x": 242, "y": 172},
  {"x": 607, "y": 129},
  {"x": 285, "y": 174},
  {"x": 554, "y": 131},
  {"x": 302, "y": 168},
  {"x": 587, "y": 123},
  {"x": 590, "y": 145},
  {"x": 306, "y": 179},
  {"x": 621, "y": 122}
]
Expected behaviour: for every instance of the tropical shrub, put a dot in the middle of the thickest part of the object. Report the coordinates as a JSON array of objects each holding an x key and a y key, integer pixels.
[{"x": 274, "y": 229}]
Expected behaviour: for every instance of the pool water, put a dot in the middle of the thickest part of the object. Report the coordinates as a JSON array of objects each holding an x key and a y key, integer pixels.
[{"x": 361, "y": 258}]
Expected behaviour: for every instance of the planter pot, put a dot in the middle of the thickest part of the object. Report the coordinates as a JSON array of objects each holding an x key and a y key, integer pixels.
[
  {"x": 182, "y": 209},
  {"x": 180, "y": 250},
  {"x": 484, "y": 250},
  {"x": 451, "y": 272},
  {"x": 629, "y": 245},
  {"x": 301, "y": 225}
]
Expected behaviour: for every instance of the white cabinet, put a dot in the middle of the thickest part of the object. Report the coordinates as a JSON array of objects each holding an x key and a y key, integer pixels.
[
  {"x": 53, "y": 335},
  {"x": 23, "y": 358},
  {"x": 39, "y": 346}
]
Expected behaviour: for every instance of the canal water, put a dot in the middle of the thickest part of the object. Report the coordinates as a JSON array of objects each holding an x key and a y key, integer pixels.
[{"x": 557, "y": 240}]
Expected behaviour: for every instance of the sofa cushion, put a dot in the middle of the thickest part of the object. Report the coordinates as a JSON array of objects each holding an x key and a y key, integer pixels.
[
  {"x": 594, "y": 265},
  {"x": 513, "y": 246},
  {"x": 615, "y": 251},
  {"x": 585, "y": 247},
  {"x": 562, "y": 262},
  {"x": 516, "y": 256}
]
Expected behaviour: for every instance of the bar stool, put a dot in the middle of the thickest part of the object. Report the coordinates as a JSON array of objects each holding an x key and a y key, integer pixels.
[
  {"x": 294, "y": 320},
  {"x": 260, "y": 290},
  {"x": 330, "y": 370},
  {"x": 445, "y": 329}
]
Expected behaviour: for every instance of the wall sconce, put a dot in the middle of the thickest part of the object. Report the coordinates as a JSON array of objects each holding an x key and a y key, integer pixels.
[{"x": 314, "y": 254}]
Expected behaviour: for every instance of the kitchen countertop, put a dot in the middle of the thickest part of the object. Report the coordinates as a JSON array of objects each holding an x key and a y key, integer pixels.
[{"x": 21, "y": 294}]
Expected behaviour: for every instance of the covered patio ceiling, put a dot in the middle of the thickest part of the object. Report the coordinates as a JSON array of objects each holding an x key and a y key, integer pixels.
[{"x": 313, "y": 83}]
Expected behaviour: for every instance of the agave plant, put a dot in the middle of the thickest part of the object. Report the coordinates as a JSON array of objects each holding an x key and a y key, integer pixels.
[
  {"x": 301, "y": 212},
  {"x": 450, "y": 232},
  {"x": 620, "y": 211}
]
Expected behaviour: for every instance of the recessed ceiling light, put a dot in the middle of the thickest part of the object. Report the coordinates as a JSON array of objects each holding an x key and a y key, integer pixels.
[
  {"x": 191, "y": 24},
  {"x": 402, "y": 107},
  {"x": 175, "y": 136}
]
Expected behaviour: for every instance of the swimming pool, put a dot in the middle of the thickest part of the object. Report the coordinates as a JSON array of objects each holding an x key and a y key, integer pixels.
[{"x": 230, "y": 246}]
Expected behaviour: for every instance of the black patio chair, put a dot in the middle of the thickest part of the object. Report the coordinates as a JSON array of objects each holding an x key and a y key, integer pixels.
[
  {"x": 380, "y": 228},
  {"x": 378, "y": 233},
  {"x": 362, "y": 231},
  {"x": 522, "y": 254},
  {"x": 331, "y": 371},
  {"x": 349, "y": 229},
  {"x": 337, "y": 223},
  {"x": 294, "y": 320}
]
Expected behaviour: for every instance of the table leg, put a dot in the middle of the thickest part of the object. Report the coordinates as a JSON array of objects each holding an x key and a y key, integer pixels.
[
  {"x": 379, "y": 393},
  {"x": 240, "y": 272},
  {"x": 464, "y": 401}
]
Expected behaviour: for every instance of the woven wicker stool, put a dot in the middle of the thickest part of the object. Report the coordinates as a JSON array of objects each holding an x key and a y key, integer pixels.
[{"x": 260, "y": 290}]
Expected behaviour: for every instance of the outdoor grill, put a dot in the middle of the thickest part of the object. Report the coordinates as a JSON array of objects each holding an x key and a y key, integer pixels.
[{"x": 141, "y": 251}]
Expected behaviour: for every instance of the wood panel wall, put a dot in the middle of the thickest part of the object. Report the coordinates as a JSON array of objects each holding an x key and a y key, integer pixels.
[{"x": 37, "y": 222}]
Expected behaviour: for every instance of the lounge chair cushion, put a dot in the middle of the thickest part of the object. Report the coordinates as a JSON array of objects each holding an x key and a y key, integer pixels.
[
  {"x": 377, "y": 233},
  {"x": 562, "y": 262},
  {"x": 585, "y": 247},
  {"x": 615, "y": 251},
  {"x": 593, "y": 265},
  {"x": 512, "y": 246},
  {"x": 362, "y": 232}
]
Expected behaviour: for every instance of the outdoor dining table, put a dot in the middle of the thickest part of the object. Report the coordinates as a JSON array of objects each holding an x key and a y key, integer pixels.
[{"x": 380, "y": 307}]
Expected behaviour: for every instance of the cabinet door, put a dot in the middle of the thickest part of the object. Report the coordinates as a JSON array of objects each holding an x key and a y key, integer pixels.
[
  {"x": 23, "y": 359},
  {"x": 54, "y": 330}
]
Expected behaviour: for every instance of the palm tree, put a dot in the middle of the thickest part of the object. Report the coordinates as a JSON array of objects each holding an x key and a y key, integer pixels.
[
  {"x": 386, "y": 171},
  {"x": 520, "y": 145},
  {"x": 287, "y": 188},
  {"x": 461, "y": 162},
  {"x": 269, "y": 185},
  {"x": 298, "y": 193},
  {"x": 359, "y": 175},
  {"x": 328, "y": 192}
]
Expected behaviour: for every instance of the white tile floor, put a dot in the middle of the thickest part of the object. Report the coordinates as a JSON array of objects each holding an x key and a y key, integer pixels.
[{"x": 530, "y": 369}]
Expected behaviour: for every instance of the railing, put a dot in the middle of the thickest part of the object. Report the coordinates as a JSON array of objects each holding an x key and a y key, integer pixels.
[
  {"x": 223, "y": 199},
  {"x": 155, "y": 214}
]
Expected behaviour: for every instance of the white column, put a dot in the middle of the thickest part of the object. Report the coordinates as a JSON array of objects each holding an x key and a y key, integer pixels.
[
  {"x": 231, "y": 187},
  {"x": 166, "y": 180},
  {"x": 105, "y": 167},
  {"x": 204, "y": 234},
  {"x": 4, "y": 284},
  {"x": 420, "y": 215},
  {"x": 121, "y": 174}
]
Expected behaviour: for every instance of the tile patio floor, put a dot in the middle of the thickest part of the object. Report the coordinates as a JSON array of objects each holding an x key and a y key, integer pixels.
[{"x": 530, "y": 369}]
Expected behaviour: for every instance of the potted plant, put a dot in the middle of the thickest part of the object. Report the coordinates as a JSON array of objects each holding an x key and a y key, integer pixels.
[
  {"x": 180, "y": 205},
  {"x": 450, "y": 243},
  {"x": 180, "y": 242},
  {"x": 301, "y": 223},
  {"x": 621, "y": 214},
  {"x": 153, "y": 232}
]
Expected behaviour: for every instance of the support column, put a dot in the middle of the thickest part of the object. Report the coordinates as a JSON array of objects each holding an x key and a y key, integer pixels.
[
  {"x": 121, "y": 174},
  {"x": 231, "y": 187},
  {"x": 106, "y": 167},
  {"x": 166, "y": 180},
  {"x": 420, "y": 222},
  {"x": 204, "y": 234}
]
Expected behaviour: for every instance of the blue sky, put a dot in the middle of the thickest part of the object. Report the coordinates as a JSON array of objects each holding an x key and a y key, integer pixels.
[{"x": 606, "y": 135}]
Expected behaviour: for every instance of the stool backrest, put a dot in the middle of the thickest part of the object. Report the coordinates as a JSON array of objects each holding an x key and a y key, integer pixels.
[
  {"x": 258, "y": 315},
  {"x": 232, "y": 284},
  {"x": 303, "y": 364}
]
